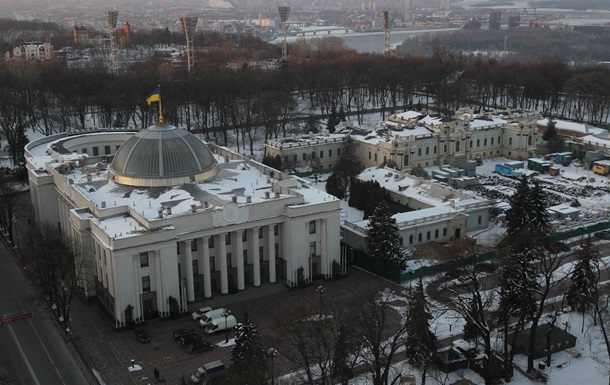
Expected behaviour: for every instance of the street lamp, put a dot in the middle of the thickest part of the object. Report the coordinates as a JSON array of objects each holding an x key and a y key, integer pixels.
[
  {"x": 226, "y": 314},
  {"x": 272, "y": 353}
]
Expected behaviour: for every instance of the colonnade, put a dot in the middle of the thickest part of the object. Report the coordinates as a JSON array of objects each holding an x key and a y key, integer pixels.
[{"x": 239, "y": 262}]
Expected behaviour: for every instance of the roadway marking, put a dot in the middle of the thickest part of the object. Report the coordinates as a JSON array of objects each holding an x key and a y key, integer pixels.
[
  {"x": 47, "y": 352},
  {"x": 27, "y": 362}
]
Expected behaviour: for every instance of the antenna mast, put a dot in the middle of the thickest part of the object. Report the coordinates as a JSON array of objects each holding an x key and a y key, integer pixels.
[
  {"x": 284, "y": 12},
  {"x": 111, "y": 18}
]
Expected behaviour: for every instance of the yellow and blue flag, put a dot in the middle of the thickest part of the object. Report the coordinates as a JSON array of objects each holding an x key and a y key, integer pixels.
[{"x": 154, "y": 96}]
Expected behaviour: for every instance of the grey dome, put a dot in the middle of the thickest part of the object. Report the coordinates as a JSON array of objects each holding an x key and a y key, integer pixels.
[{"x": 162, "y": 155}]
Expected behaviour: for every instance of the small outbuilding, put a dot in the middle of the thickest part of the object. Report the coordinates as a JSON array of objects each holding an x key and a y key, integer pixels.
[{"x": 559, "y": 340}]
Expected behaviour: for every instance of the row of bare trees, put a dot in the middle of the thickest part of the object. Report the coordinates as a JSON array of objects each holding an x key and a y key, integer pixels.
[{"x": 260, "y": 103}]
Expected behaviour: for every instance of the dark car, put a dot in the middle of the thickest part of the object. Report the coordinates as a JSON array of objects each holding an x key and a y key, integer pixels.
[
  {"x": 603, "y": 235},
  {"x": 200, "y": 347},
  {"x": 142, "y": 336},
  {"x": 189, "y": 339},
  {"x": 182, "y": 332}
]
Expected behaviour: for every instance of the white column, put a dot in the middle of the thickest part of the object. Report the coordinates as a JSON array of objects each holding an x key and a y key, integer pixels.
[
  {"x": 256, "y": 261},
  {"x": 326, "y": 267},
  {"x": 222, "y": 256},
  {"x": 239, "y": 250},
  {"x": 188, "y": 260},
  {"x": 137, "y": 283},
  {"x": 207, "y": 284},
  {"x": 161, "y": 302},
  {"x": 271, "y": 253}
]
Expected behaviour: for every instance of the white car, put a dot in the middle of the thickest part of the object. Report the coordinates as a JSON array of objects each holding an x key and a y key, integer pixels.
[{"x": 200, "y": 312}]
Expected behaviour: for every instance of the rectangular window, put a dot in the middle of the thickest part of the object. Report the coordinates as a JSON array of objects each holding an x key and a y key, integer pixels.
[
  {"x": 212, "y": 264},
  {"x": 484, "y": 141},
  {"x": 245, "y": 254},
  {"x": 294, "y": 158},
  {"x": 321, "y": 154},
  {"x": 178, "y": 248},
  {"x": 510, "y": 141},
  {"x": 194, "y": 245},
  {"x": 478, "y": 143},
  {"x": 419, "y": 237},
  {"x": 95, "y": 151},
  {"x": 471, "y": 144},
  {"x": 428, "y": 235},
  {"x": 427, "y": 150},
  {"x": 330, "y": 153},
  {"x": 277, "y": 249},
  {"x": 260, "y": 252},
  {"x": 312, "y": 227},
  {"x": 492, "y": 141},
  {"x": 244, "y": 236},
  {"x": 435, "y": 149},
  {"x": 107, "y": 150},
  {"x": 229, "y": 260},
  {"x": 338, "y": 152},
  {"x": 195, "y": 267},
  {"x": 304, "y": 156},
  {"x": 445, "y": 149},
  {"x": 419, "y": 151},
  {"x": 211, "y": 242},
  {"x": 228, "y": 239},
  {"x": 312, "y": 249},
  {"x": 411, "y": 239},
  {"x": 104, "y": 257},
  {"x": 146, "y": 284},
  {"x": 375, "y": 157},
  {"x": 260, "y": 233},
  {"x": 457, "y": 146},
  {"x": 480, "y": 220},
  {"x": 436, "y": 233},
  {"x": 84, "y": 150},
  {"x": 276, "y": 230},
  {"x": 445, "y": 232},
  {"x": 369, "y": 155},
  {"x": 143, "y": 259}
]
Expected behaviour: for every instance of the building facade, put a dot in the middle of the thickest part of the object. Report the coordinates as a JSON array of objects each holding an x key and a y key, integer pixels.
[
  {"x": 412, "y": 139},
  {"x": 159, "y": 214},
  {"x": 35, "y": 50}
]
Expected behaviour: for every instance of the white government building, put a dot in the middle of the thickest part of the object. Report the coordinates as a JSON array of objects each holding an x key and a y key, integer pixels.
[{"x": 158, "y": 214}]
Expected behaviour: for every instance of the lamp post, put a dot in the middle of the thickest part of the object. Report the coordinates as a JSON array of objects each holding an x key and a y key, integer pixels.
[
  {"x": 226, "y": 314},
  {"x": 272, "y": 353}
]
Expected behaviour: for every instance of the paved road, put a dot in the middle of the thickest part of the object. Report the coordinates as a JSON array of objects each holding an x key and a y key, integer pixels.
[{"x": 33, "y": 350}]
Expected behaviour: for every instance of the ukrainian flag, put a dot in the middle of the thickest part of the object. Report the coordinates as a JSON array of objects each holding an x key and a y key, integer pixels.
[{"x": 154, "y": 96}]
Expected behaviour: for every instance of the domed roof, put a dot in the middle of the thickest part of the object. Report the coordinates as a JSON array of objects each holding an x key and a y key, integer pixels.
[{"x": 162, "y": 155}]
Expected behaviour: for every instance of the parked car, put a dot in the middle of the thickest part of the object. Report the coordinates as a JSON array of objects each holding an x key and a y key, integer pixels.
[
  {"x": 200, "y": 312},
  {"x": 603, "y": 235},
  {"x": 208, "y": 317},
  {"x": 182, "y": 332},
  {"x": 142, "y": 335},
  {"x": 189, "y": 339},
  {"x": 199, "y": 347},
  {"x": 220, "y": 324}
]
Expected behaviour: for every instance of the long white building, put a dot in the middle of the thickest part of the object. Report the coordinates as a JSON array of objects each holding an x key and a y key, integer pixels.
[{"x": 159, "y": 214}]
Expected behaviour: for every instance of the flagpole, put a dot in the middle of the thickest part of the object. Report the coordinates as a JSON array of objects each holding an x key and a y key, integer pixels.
[{"x": 160, "y": 106}]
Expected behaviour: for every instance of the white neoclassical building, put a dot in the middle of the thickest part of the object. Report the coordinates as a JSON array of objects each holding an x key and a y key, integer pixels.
[{"x": 158, "y": 214}]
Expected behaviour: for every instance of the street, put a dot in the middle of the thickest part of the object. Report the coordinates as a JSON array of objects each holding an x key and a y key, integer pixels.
[{"x": 34, "y": 351}]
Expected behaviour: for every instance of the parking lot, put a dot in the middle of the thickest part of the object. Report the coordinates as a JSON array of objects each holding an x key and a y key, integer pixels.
[{"x": 110, "y": 353}]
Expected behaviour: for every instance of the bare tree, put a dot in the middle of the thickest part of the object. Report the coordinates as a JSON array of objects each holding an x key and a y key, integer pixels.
[
  {"x": 58, "y": 268},
  {"x": 472, "y": 300},
  {"x": 383, "y": 332}
]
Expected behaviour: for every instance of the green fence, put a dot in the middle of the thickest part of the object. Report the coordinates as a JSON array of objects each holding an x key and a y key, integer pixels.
[{"x": 393, "y": 273}]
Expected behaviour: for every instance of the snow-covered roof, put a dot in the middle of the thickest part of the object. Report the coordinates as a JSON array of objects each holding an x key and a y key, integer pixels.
[{"x": 575, "y": 127}]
